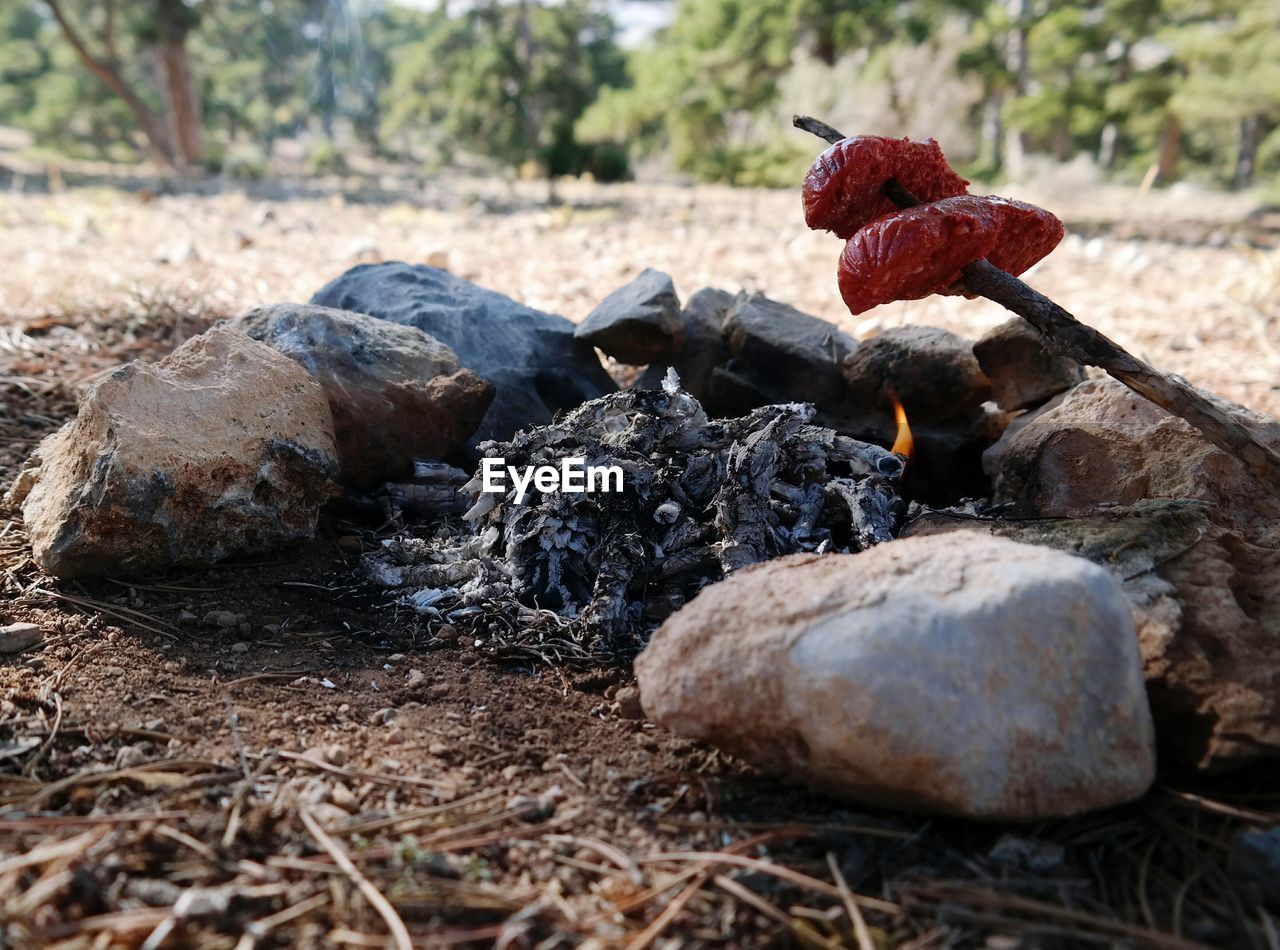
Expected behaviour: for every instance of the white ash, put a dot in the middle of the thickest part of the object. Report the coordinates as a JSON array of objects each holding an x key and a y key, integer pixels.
[{"x": 595, "y": 573}]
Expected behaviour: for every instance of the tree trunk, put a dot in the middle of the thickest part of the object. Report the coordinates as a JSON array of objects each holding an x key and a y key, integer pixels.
[
  {"x": 1247, "y": 158},
  {"x": 1170, "y": 143},
  {"x": 1062, "y": 138},
  {"x": 182, "y": 102},
  {"x": 159, "y": 144},
  {"x": 1018, "y": 61},
  {"x": 1107, "y": 146},
  {"x": 993, "y": 131}
]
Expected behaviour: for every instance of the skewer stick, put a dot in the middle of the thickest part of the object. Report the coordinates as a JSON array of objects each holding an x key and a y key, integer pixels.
[{"x": 1066, "y": 335}]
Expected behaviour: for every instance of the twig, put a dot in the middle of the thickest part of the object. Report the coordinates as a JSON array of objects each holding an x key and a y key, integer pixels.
[
  {"x": 399, "y": 933},
  {"x": 799, "y": 929},
  {"x": 669, "y": 913},
  {"x": 374, "y": 777},
  {"x": 860, "y": 931},
  {"x": 774, "y": 870},
  {"x": 1066, "y": 335},
  {"x": 32, "y": 763},
  {"x": 605, "y": 851}
]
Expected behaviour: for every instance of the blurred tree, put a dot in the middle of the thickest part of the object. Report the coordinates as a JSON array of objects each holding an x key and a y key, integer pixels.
[
  {"x": 24, "y": 62},
  {"x": 1228, "y": 93},
  {"x": 719, "y": 64},
  {"x": 165, "y": 29},
  {"x": 507, "y": 80},
  {"x": 109, "y": 68}
]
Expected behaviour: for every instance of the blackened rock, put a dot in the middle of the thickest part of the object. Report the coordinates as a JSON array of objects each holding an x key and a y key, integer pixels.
[
  {"x": 932, "y": 371},
  {"x": 792, "y": 355},
  {"x": 703, "y": 349},
  {"x": 637, "y": 323},
  {"x": 531, "y": 357},
  {"x": 396, "y": 393},
  {"x": 1254, "y": 862}
]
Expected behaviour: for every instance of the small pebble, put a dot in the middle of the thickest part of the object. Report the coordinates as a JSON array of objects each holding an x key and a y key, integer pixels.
[
  {"x": 416, "y": 679},
  {"x": 239, "y": 648},
  {"x": 344, "y": 798},
  {"x": 628, "y": 700},
  {"x": 130, "y": 756},
  {"x": 383, "y": 716},
  {"x": 220, "y": 618},
  {"x": 16, "y": 637}
]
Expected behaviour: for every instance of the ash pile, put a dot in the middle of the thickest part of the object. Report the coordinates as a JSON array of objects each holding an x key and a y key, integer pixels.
[{"x": 588, "y": 574}]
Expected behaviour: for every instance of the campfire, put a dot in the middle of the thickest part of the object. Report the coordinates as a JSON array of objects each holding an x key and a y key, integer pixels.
[{"x": 810, "y": 547}]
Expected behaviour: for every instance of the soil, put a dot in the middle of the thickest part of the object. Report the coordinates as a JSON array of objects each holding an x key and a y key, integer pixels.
[{"x": 251, "y": 755}]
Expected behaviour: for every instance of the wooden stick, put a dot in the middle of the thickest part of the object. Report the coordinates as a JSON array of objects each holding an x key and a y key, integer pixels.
[
  {"x": 399, "y": 933},
  {"x": 1066, "y": 335}
]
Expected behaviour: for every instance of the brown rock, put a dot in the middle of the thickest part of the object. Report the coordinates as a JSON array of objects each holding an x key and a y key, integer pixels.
[
  {"x": 223, "y": 447},
  {"x": 628, "y": 700},
  {"x": 1022, "y": 370},
  {"x": 396, "y": 393},
  {"x": 1101, "y": 443}
]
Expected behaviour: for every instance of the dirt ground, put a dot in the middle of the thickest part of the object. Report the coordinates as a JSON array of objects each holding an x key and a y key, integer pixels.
[{"x": 252, "y": 756}]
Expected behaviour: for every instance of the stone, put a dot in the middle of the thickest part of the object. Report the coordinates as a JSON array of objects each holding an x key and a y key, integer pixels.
[
  {"x": 1206, "y": 606},
  {"x": 629, "y": 705},
  {"x": 1254, "y": 863},
  {"x": 531, "y": 357},
  {"x": 224, "y": 447},
  {"x": 1102, "y": 444},
  {"x": 395, "y": 392},
  {"x": 225, "y": 619},
  {"x": 1023, "y": 372},
  {"x": 965, "y": 675},
  {"x": 790, "y": 355},
  {"x": 639, "y": 322},
  {"x": 703, "y": 348},
  {"x": 16, "y": 637},
  {"x": 933, "y": 372}
]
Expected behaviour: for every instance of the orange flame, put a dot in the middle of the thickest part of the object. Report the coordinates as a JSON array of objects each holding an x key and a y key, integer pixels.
[{"x": 904, "y": 444}]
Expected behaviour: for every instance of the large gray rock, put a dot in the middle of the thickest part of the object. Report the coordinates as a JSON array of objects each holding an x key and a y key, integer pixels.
[
  {"x": 639, "y": 322},
  {"x": 396, "y": 393},
  {"x": 224, "y": 447},
  {"x": 965, "y": 675},
  {"x": 531, "y": 357},
  {"x": 1023, "y": 371}
]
